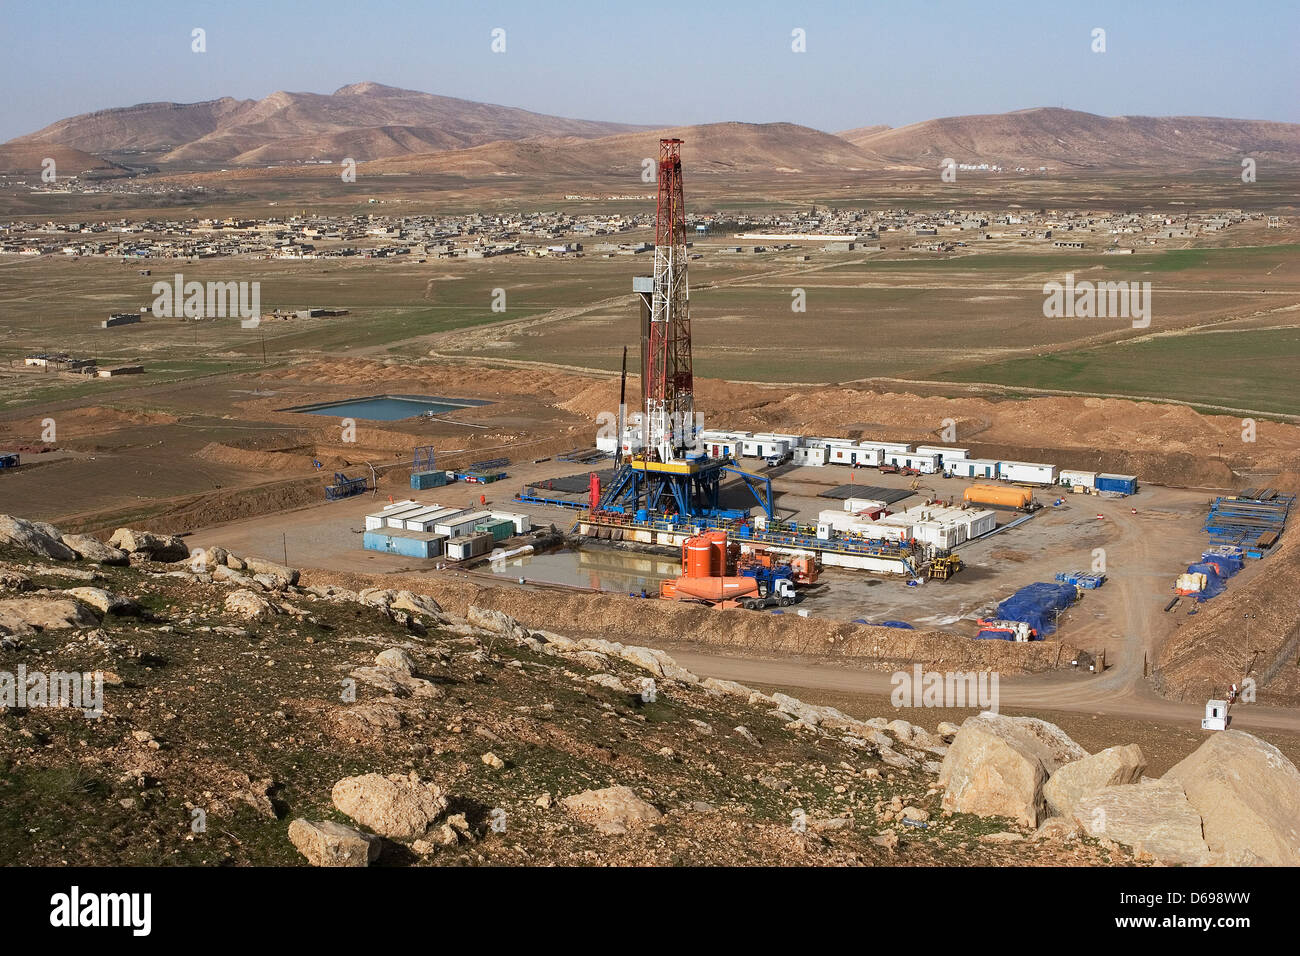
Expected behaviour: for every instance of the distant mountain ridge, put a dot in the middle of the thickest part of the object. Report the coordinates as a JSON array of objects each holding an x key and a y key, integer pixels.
[
  {"x": 407, "y": 130},
  {"x": 364, "y": 121},
  {"x": 1070, "y": 138}
]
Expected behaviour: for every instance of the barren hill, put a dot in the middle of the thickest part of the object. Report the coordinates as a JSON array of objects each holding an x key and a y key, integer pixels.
[
  {"x": 26, "y": 158},
  {"x": 729, "y": 148},
  {"x": 364, "y": 120},
  {"x": 1068, "y": 138}
]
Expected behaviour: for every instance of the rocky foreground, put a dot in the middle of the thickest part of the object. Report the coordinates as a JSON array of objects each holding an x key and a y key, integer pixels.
[{"x": 249, "y": 720}]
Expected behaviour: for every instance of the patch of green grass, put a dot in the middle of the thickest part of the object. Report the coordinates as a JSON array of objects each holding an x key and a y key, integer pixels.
[{"x": 1251, "y": 369}]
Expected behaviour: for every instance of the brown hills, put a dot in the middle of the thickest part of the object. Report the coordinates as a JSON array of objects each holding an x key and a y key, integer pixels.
[
  {"x": 364, "y": 121},
  {"x": 26, "y": 159},
  {"x": 1069, "y": 138}
]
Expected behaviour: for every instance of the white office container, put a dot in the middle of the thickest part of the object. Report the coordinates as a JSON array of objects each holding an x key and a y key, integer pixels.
[
  {"x": 972, "y": 468},
  {"x": 1071, "y": 477},
  {"x": 461, "y": 524},
  {"x": 1027, "y": 471},
  {"x": 522, "y": 522}
]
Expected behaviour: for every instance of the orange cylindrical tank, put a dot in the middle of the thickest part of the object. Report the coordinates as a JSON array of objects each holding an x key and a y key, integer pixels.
[
  {"x": 717, "y": 539},
  {"x": 716, "y": 588},
  {"x": 697, "y": 558},
  {"x": 999, "y": 495}
]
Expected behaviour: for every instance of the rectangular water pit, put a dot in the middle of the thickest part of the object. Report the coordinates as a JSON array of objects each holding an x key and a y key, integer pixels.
[{"x": 388, "y": 408}]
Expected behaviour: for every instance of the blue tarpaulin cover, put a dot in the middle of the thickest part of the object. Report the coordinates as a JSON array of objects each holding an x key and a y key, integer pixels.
[{"x": 1036, "y": 605}]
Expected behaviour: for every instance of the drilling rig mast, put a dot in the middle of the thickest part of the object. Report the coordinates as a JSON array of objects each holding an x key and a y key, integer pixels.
[{"x": 670, "y": 400}]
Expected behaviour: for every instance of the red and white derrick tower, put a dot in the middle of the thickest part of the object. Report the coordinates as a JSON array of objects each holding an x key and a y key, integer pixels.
[{"x": 669, "y": 387}]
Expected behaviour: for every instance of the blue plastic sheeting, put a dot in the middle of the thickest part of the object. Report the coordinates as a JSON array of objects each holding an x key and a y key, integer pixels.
[
  {"x": 1037, "y": 604},
  {"x": 902, "y": 624},
  {"x": 1228, "y": 564},
  {"x": 993, "y": 636},
  {"x": 1214, "y": 582}
]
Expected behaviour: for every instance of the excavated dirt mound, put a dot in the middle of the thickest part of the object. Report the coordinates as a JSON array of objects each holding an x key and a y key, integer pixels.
[
  {"x": 617, "y": 618},
  {"x": 1204, "y": 658}
]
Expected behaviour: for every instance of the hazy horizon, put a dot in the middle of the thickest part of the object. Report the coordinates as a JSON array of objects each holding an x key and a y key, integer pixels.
[{"x": 861, "y": 67}]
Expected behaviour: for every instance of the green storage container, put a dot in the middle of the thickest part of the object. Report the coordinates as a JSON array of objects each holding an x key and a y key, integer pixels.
[{"x": 500, "y": 529}]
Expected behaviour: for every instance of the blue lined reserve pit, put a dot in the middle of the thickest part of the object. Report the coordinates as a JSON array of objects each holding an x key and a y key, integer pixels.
[{"x": 388, "y": 408}]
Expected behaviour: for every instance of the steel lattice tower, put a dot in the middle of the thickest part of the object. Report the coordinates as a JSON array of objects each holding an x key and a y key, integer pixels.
[{"x": 670, "y": 399}]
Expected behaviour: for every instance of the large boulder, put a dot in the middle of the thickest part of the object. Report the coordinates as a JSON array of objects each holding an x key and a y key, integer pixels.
[
  {"x": 248, "y": 604},
  {"x": 34, "y": 537},
  {"x": 90, "y": 548},
  {"x": 1248, "y": 795},
  {"x": 997, "y": 766},
  {"x": 1109, "y": 767},
  {"x": 27, "y": 615},
  {"x": 611, "y": 810},
  {"x": 1151, "y": 817},
  {"x": 326, "y": 843},
  {"x": 394, "y": 806},
  {"x": 157, "y": 547},
  {"x": 105, "y": 602},
  {"x": 283, "y": 576}
]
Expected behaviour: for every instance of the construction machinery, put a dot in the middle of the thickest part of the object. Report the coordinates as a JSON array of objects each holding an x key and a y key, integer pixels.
[{"x": 943, "y": 567}]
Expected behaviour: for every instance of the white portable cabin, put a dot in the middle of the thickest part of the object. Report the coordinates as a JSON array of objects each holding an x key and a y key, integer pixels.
[
  {"x": 722, "y": 444},
  {"x": 980, "y": 522},
  {"x": 888, "y": 447},
  {"x": 946, "y": 453},
  {"x": 462, "y": 524},
  {"x": 1072, "y": 478},
  {"x": 1216, "y": 715},
  {"x": 522, "y": 522},
  {"x": 427, "y": 522},
  {"x": 756, "y": 447},
  {"x": 854, "y": 455},
  {"x": 805, "y": 455},
  {"x": 972, "y": 468},
  {"x": 415, "y": 516},
  {"x": 1027, "y": 471},
  {"x": 857, "y": 505},
  {"x": 380, "y": 519},
  {"x": 925, "y": 464}
]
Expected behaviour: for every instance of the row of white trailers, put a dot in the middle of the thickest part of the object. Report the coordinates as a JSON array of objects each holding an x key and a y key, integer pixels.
[
  {"x": 948, "y": 460},
  {"x": 938, "y": 526},
  {"x": 436, "y": 519}
]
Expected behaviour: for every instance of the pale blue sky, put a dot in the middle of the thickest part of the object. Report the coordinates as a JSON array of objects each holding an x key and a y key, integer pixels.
[{"x": 666, "y": 62}]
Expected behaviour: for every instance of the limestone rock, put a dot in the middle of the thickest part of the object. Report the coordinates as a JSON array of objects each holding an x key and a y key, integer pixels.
[
  {"x": 393, "y": 806},
  {"x": 105, "y": 602},
  {"x": 23, "y": 616},
  {"x": 612, "y": 810},
  {"x": 157, "y": 547},
  {"x": 495, "y": 621},
  {"x": 997, "y": 765},
  {"x": 1110, "y": 767},
  {"x": 1248, "y": 795},
  {"x": 278, "y": 572},
  {"x": 326, "y": 843},
  {"x": 1151, "y": 818},
  {"x": 28, "y": 535},
  {"x": 248, "y": 604},
  {"x": 397, "y": 659},
  {"x": 91, "y": 549}
]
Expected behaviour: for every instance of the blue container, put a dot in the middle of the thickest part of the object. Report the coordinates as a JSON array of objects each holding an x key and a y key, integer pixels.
[
  {"x": 428, "y": 479},
  {"x": 1124, "y": 484},
  {"x": 410, "y": 544}
]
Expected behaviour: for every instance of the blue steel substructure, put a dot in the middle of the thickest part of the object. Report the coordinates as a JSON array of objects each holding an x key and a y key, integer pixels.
[{"x": 689, "y": 488}]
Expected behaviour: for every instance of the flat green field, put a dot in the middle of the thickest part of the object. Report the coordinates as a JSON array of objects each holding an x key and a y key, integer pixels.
[{"x": 1258, "y": 370}]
